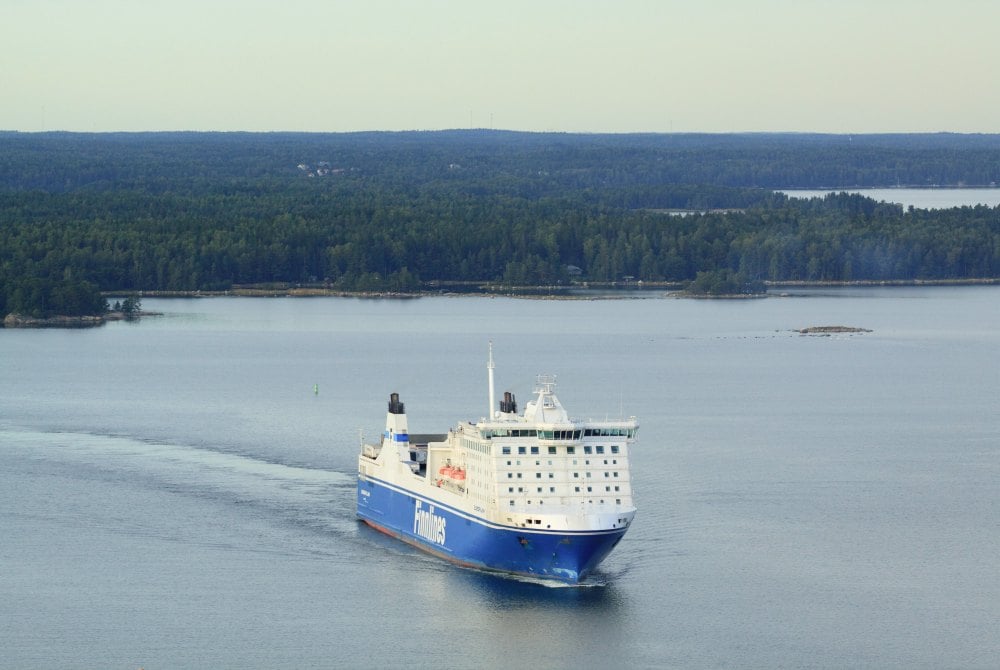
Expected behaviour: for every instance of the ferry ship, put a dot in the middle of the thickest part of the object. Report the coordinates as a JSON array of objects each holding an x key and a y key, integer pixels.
[{"x": 534, "y": 494}]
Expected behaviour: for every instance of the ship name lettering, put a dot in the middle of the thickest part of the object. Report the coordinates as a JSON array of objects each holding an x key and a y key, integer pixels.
[{"x": 427, "y": 524}]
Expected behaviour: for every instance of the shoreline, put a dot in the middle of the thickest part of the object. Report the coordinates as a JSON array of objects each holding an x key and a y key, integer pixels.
[
  {"x": 14, "y": 320},
  {"x": 582, "y": 290}
]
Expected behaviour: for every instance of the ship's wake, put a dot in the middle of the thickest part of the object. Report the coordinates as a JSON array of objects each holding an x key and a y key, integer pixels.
[{"x": 309, "y": 498}]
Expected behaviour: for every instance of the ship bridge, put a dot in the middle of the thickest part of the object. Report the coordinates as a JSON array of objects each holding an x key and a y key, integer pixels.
[{"x": 546, "y": 408}]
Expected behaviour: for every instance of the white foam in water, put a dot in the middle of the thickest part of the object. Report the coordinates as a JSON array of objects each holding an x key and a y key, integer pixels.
[{"x": 185, "y": 467}]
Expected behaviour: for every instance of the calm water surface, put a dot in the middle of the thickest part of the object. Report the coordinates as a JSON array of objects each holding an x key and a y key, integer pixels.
[
  {"x": 920, "y": 198},
  {"x": 175, "y": 494}
]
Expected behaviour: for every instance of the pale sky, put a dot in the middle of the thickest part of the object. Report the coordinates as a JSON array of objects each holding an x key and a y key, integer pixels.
[{"x": 848, "y": 66}]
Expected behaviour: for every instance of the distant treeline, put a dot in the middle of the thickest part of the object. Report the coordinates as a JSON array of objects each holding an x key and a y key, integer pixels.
[
  {"x": 393, "y": 211},
  {"x": 517, "y": 164}
]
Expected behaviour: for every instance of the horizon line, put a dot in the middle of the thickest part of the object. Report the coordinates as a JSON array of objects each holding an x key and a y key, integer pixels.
[{"x": 13, "y": 131}]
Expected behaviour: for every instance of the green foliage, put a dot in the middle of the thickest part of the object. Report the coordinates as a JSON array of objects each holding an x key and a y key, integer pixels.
[
  {"x": 130, "y": 307},
  {"x": 725, "y": 282},
  {"x": 528, "y": 165},
  {"x": 42, "y": 298},
  {"x": 395, "y": 211}
]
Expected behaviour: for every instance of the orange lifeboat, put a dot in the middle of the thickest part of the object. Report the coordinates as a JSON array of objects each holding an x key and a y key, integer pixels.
[
  {"x": 446, "y": 470},
  {"x": 458, "y": 473}
]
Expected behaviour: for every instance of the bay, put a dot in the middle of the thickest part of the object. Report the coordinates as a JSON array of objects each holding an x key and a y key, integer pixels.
[
  {"x": 919, "y": 198},
  {"x": 175, "y": 493}
]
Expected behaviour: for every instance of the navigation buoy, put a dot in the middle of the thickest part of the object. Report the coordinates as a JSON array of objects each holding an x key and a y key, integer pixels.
[{"x": 315, "y": 389}]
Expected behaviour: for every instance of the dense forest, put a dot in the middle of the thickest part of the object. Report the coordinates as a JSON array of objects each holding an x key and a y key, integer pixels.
[{"x": 85, "y": 213}]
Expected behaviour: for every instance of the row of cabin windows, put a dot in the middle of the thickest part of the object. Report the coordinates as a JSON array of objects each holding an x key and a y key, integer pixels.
[
  {"x": 509, "y": 432},
  {"x": 610, "y": 432},
  {"x": 539, "y": 521},
  {"x": 589, "y": 432},
  {"x": 552, "y": 475},
  {"x": 473, "y": 445},
  {"x": 552, "y": 489},
  {"x": 618, "y": 501},
  {"x": 614, "y": 461},
  {"x": 559, "y": 434},
  {"x": 587, "y": 449}
]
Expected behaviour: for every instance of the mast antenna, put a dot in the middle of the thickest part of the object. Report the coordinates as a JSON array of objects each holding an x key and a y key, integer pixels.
[{"x": 489, "y": 368}]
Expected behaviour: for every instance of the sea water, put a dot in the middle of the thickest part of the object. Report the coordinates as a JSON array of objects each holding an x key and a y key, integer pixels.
[
  {"x": 919, "y": 198},
  {"x": 179, "y": 491}
]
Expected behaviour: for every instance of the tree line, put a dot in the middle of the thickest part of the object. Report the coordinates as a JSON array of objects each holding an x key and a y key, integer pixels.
[
  {"x": 398, "y": 212},
  {"x": 521, "y": 164}
]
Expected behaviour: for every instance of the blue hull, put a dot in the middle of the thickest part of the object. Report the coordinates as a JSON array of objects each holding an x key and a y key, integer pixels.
[{"x": 472, "y": 541}]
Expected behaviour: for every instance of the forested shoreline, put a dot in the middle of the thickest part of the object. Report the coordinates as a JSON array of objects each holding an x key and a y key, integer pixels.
[{"x": 405, "y": 212}]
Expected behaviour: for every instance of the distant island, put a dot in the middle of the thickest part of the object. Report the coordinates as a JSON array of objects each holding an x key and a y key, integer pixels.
[
  {"x": 14, "y": 320},
  {"x": 129, "y": 309},
  {"x": 831, "y": 330},
  {"x": 85, "y": 215}
]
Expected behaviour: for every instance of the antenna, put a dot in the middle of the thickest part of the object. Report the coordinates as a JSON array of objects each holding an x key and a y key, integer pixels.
[{"x": 489, "y": 367}]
